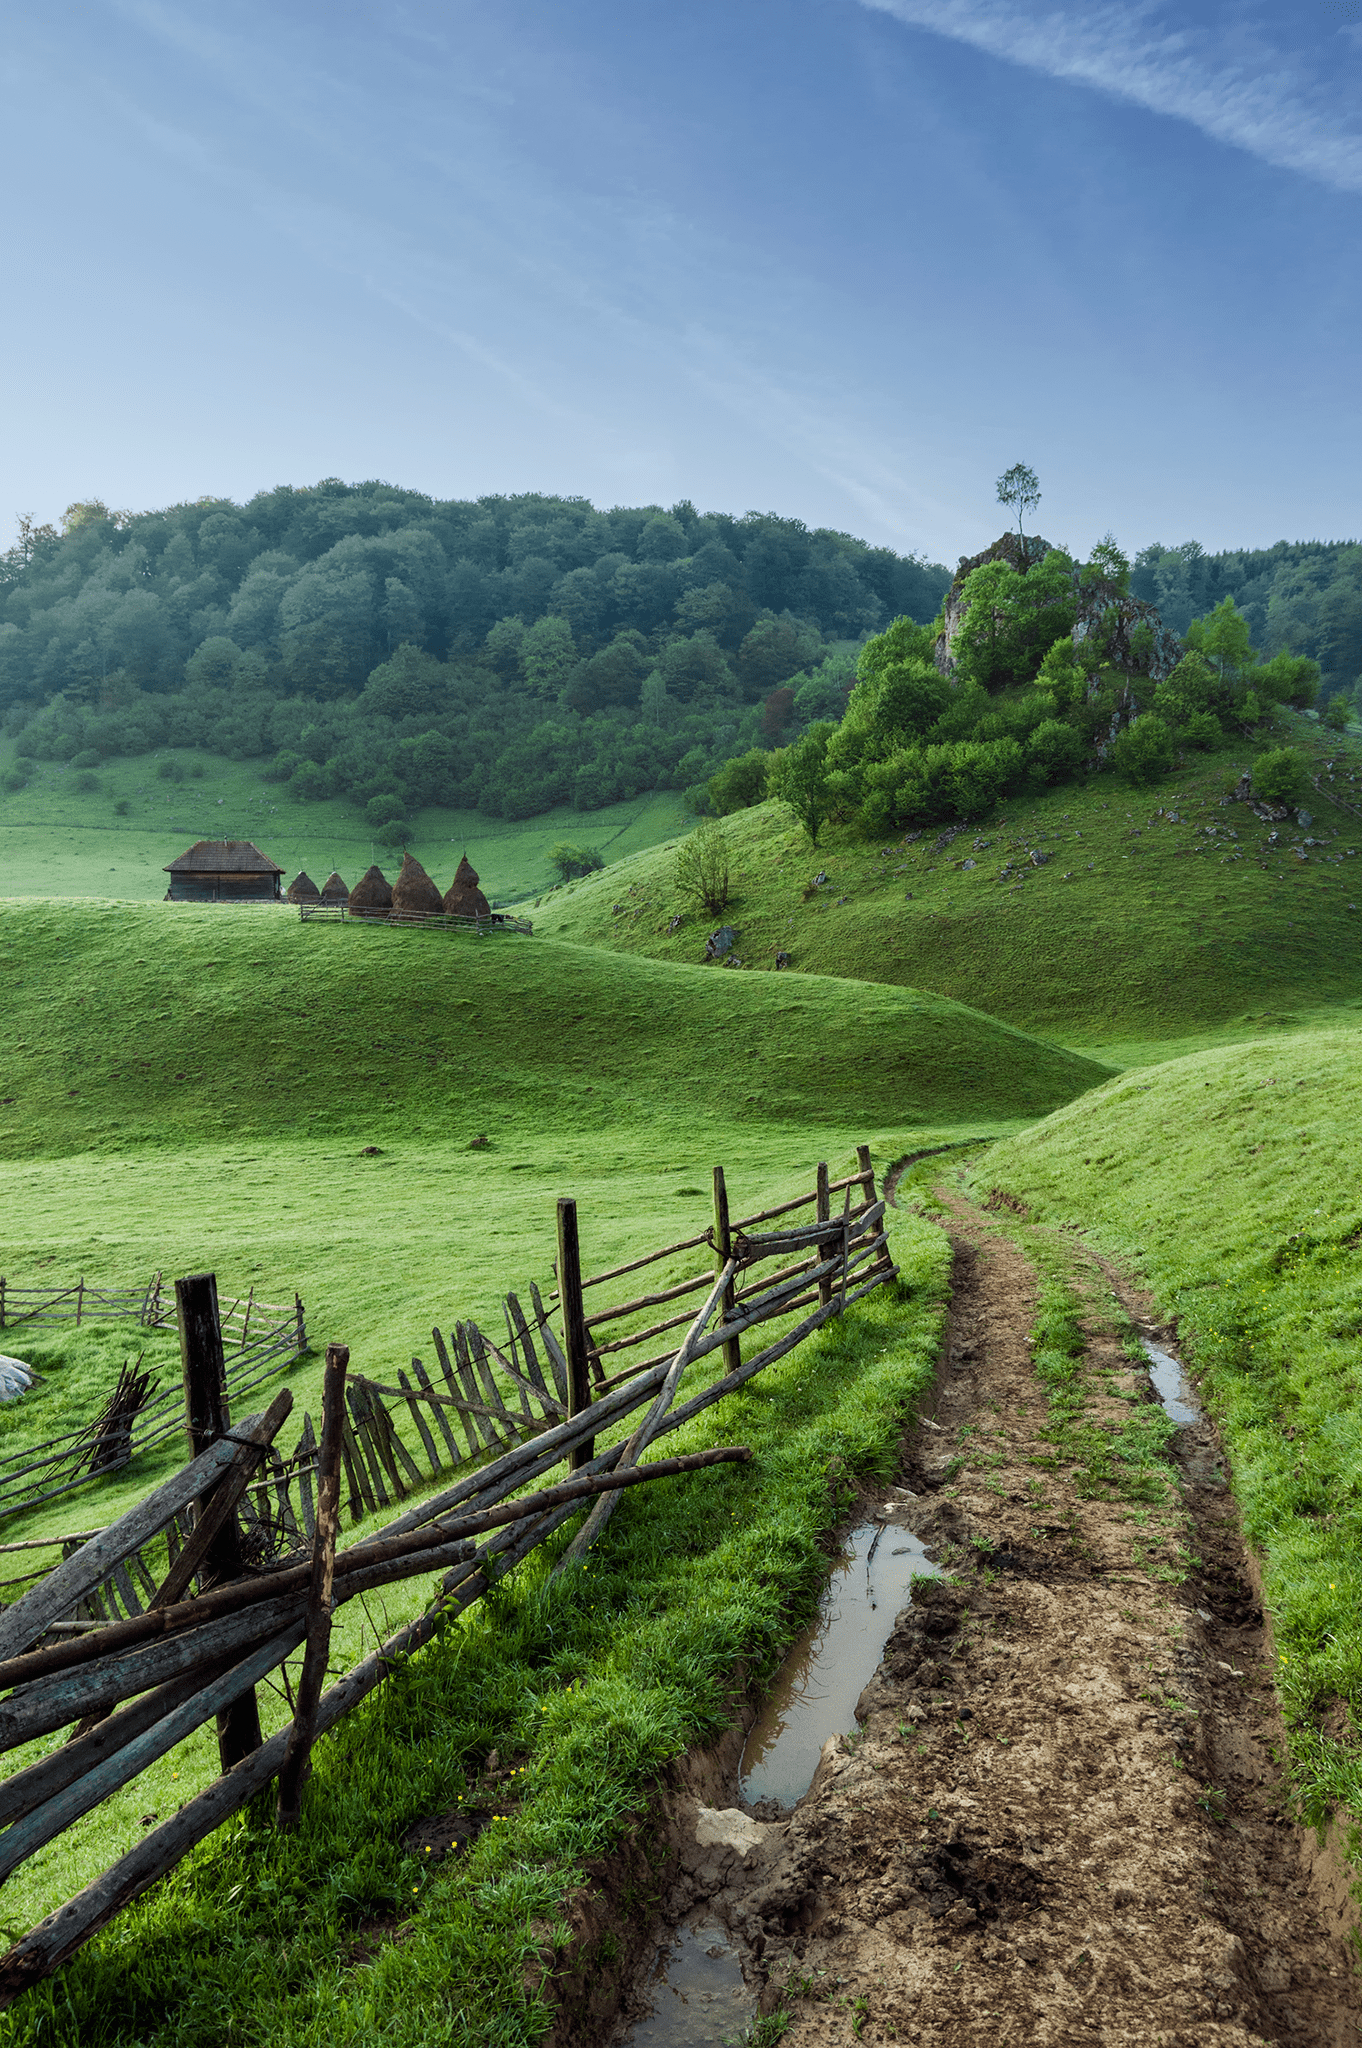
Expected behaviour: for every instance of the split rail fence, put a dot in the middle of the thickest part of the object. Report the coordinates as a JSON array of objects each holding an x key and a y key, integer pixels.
[
  {"x": 437, "y": 920},
  {"x": 176, "y": 1613}
]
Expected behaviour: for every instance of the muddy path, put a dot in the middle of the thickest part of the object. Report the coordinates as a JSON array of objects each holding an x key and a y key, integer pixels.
[{"x": 1061, "y": 1818}]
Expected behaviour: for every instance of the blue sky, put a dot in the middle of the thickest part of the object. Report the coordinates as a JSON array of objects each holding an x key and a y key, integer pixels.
[{"x": 840, "y": 259}]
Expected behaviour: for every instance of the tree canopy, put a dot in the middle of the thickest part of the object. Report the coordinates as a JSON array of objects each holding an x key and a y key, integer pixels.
[{"x": 371, "y": 642}]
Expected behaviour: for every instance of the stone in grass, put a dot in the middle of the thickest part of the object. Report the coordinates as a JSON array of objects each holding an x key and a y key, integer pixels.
[
  {"x": 481, "y": 1143},
  {"x": 720, "y": 942},
  {"x": 15, "y": 1378}
]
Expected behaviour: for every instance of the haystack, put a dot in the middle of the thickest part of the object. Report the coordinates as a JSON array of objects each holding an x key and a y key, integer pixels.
[
  {"x": 464, "y": 898},
  {"x": 302, "y": 889},
  {"x": 372, "y": 894},
  {"x": 334, "y": 889},
  {"x": 414, "y": 894}
]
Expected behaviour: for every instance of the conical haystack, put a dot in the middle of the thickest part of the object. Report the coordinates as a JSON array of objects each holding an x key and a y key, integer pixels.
[
  {"x": 334, "y": 889},
  {"x": 372, "y": 894},
  {"x": 464, "y": 898},
  {"x": 302, "y": 889},
  {"x": 414, "y": 894}
]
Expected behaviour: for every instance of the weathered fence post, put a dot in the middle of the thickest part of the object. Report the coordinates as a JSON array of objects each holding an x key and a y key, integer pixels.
[
  {"x": 80, "y": 1299},
  {"x": 290, "y": 1801},
  {"x": 824, "y": 1216},
  {"x": 574, "y": 1322},
  {"x": 206, "y": 1419},
  {"x": 2, "y": 1301},
  {"x": 302, "y": 1327},
  {"x": 885, "y": 1261},
  {"x": 722, "y": 1253}
]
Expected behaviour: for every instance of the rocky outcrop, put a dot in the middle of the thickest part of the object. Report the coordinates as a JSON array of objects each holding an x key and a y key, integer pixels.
[{"x": 1107, "y": 617}]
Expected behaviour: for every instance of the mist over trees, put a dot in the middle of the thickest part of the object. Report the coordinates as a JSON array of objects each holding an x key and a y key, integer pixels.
[{"x": 508, "y": 653}]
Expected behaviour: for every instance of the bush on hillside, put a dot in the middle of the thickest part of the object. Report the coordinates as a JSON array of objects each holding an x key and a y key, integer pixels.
[
  {"x": 798, "y": 776},
  {"x": 571, "y": 861},
  {"x": 1145, "y": 750},
  {"x": 701, "y": 866},
  {"x": 1338, "y": 713},
  {"x": 739, "y": 784},
  {"x": 1280, "y": 776}
]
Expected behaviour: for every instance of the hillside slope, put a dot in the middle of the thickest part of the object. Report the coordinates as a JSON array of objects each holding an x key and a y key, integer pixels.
[{"x": 1149, "y": 914}]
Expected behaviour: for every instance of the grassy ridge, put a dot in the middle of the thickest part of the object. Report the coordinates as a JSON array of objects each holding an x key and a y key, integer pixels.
[
  {"x": 1231, "y": 1178},
  {"x": 1134, "y": 929},
  {"x": 58, "y": 840}
]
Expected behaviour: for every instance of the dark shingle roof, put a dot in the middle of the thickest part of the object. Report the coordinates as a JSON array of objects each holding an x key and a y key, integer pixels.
[{"x": 223, "y": 857}]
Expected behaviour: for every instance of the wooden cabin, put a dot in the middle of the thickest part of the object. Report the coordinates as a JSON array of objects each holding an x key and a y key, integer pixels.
[{"x": 223, "y": 871}]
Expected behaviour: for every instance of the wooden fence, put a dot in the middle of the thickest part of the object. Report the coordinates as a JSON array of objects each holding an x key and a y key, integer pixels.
[
  {"x": 260, "y": 1339},
  {"x": 117, "y": 1641},
  {"x": 440, "y": 920}
]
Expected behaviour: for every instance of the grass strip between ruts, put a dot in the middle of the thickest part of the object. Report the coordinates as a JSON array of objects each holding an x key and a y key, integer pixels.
[{"x": 587, "y": 1686}]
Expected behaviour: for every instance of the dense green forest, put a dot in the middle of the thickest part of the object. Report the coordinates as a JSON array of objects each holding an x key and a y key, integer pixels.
[
  {"x": 1299, "y": 597},
  {"x": 512, "y": 653},
  {"x": 508, "y": 653}
]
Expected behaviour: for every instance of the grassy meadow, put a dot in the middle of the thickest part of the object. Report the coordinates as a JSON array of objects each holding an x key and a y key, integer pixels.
[
  {"x": 60, "y": 840},
  {"x": 1137, "y": 935},
  {"x": 383, "y": 1118}
]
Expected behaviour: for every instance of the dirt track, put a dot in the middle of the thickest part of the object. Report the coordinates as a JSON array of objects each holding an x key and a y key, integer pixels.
[{"x": 1061, "y": 1822}]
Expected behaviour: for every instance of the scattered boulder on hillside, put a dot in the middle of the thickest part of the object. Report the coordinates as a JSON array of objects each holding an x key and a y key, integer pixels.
[
  {"x": 414, "y": 894},
  {"x": 302, "y": 889},
  {"x": 463, "y": 897},
  {"x": 720, "y": 942},
  {"x": 782, "y": 959},
  {"x": 372, "y": 894}
]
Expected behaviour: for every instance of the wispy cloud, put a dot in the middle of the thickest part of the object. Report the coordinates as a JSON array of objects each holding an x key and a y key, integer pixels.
[{"x": 1268, "y": 101}]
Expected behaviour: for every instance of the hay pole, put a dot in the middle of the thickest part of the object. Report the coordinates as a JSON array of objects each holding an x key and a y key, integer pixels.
[{"x": 319, "y": 1598}]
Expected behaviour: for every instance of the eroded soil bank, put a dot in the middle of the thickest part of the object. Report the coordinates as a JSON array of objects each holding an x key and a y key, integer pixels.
[{"x": 1060, "y": 1821}]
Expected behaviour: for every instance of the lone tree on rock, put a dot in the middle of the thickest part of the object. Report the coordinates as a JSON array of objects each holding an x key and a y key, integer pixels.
[{"x": 1019, "y": 487}]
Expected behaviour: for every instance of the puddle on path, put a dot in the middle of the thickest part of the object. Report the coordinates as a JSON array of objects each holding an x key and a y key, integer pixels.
[
  {"x": 700, "y": 2000},
  {"x": 818, "y": 1685},
  {"x": 1172, "y": 1385}
]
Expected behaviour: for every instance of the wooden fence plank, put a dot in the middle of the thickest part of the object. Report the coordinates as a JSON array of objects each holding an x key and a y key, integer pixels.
[
  {"x": 474, "y": 1441},
  {"x": 437, "y": 1411},
  {"x": 419, "y": 1419}
]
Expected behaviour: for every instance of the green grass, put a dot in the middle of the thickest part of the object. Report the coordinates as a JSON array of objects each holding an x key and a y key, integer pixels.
[
  {"x": 1231, "y": 1179},
  {"x": 586, "y": 1686},
  {"x": 203, "y": 1094},
  {"x": 1137, "y": 937},
  {"x": 192, "y": 1087},
  {"x": 56, "y": 840}
]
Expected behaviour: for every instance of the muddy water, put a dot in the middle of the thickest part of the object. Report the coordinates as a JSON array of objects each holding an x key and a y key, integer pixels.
[
  {"x": 1172, "y": 1385},
  {"x": 818, "y": 1685},
  {"x": 699, "y": 1996}
]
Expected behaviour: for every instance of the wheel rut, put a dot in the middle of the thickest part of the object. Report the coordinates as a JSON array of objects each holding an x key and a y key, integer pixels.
[{"x": 1061, "y": 1818}]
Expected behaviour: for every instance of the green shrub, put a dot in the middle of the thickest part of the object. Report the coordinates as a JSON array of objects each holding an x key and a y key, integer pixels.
[
  {"x": 122, "y": 807},
  {"x": 169, "y": 769},
  {"x": 739, "y": 784},
  {"x": 86, "y": 781},
  {"x": 89, "y": 758},
  {"x": 571, "y": 860},
  {"x": 1338, "y": 713},
  {"x": 701, "y": 867},
  {"x": 1144, "y": 751},
  {"x": 1280, "y": 776},
  {"x": 1054, "y": 750}
]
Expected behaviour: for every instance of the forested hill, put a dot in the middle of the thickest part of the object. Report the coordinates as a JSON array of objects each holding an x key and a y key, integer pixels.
[
  {"x": 1299, "y": 597},
  {"x": 508, "y": 652}
]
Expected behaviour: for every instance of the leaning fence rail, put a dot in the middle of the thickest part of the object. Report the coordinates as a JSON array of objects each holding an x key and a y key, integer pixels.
[{"x": 142, "y": 1634}]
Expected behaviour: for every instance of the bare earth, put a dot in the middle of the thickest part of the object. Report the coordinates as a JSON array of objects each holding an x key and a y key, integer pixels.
[{"x": 1061, "y": 1820}]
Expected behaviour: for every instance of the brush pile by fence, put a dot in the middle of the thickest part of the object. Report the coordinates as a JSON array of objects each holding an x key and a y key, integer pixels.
[
  {"x": 260, "y": 1340},
  {"x": 230, "y": 1593}
]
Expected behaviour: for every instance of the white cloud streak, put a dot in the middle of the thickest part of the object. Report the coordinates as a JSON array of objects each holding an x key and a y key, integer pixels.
[{"x": 1266, "y": 102}]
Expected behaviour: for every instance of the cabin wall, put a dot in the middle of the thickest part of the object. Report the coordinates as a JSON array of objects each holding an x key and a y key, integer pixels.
[{"x": 224, "y": 889}]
